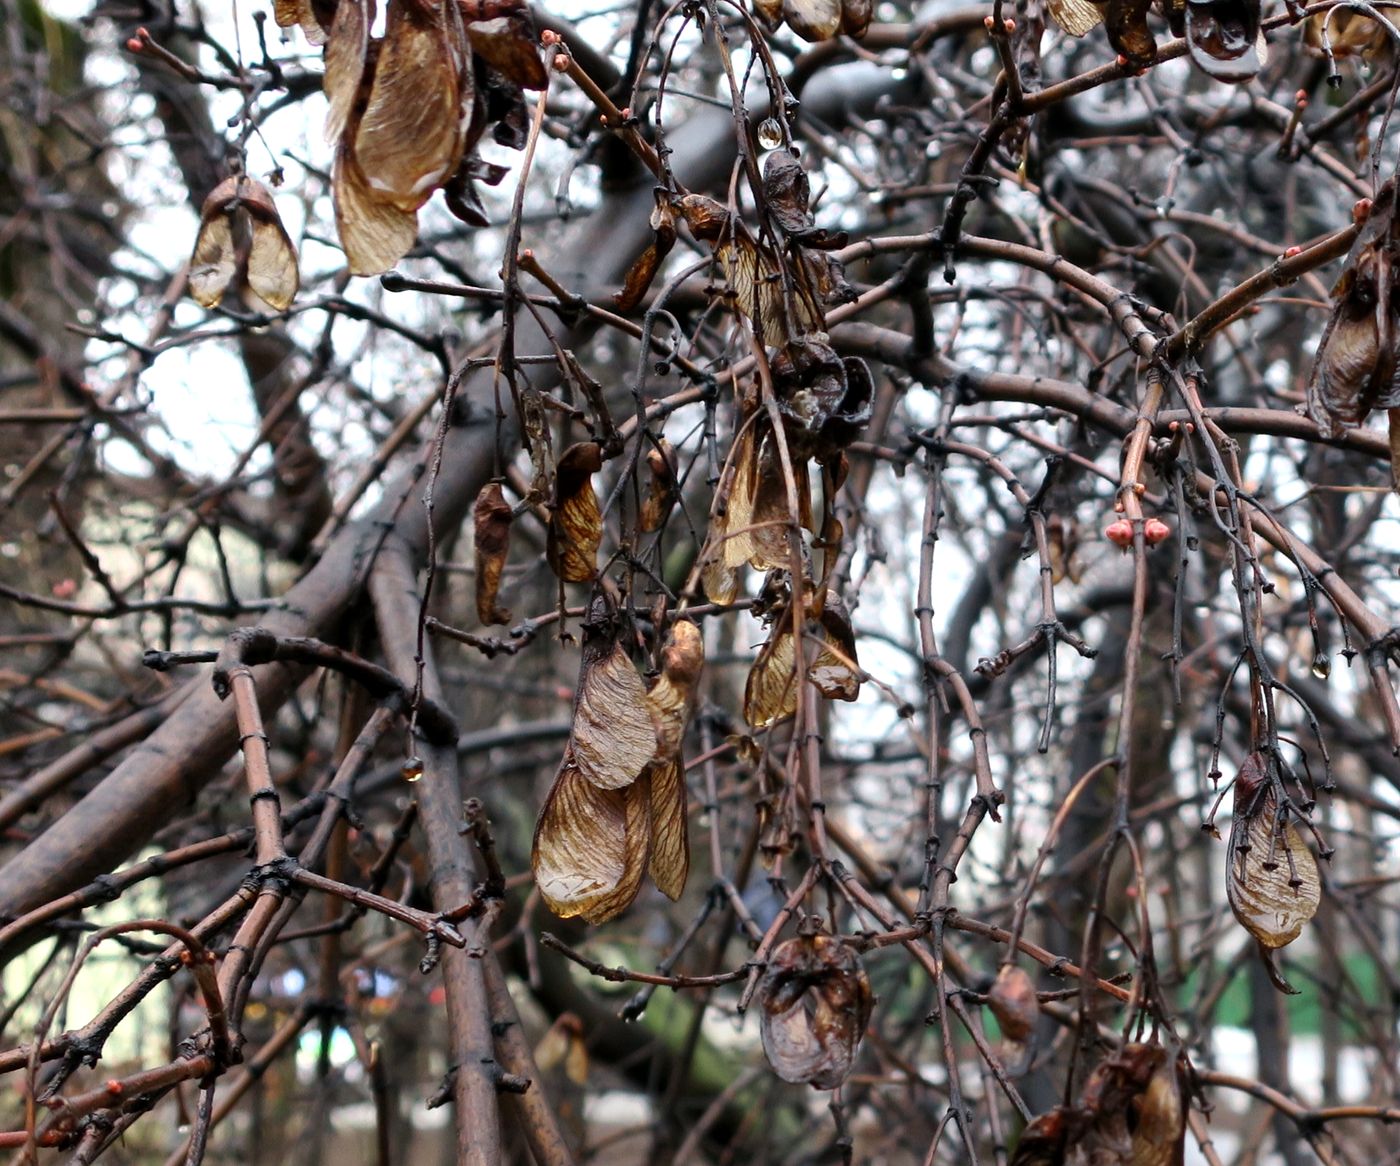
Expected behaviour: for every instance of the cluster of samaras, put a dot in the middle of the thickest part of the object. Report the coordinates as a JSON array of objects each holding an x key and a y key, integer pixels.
[
  {"x": 408, "y": 109},
  {"x": 1225, "y": 37}
]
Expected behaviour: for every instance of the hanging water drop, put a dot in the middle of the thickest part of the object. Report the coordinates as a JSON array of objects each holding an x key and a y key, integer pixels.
[
  {"x": 1322, "y": 666},
  {"x": 770, "y": 133},
  {"x": 412, "y": 769}
]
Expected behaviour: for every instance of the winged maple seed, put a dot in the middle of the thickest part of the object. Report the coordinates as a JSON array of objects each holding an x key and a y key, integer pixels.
[
  {"x": 1013, "y": 1002},
  {"x": 1273, "y": 883},
  {"x": 818, "y": 20},
  {"x": 1349, "y": 33},
  {"x": 815, "y": 1003},
  {"x": 242, "y": 243},
  {"x": 491, "y": 520},
  {"x": 1225, "y": 38},
  {"x": 1132, "y": 1112},
  {"x": 770, "y": 695},
  {"x": 618, "y": 804},
  {"x": 407, "y": 110},
  {"x": 1358, "y": 361},
  {"x": 575, "y": 520}
]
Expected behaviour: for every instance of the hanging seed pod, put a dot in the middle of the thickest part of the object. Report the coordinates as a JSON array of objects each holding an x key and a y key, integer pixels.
[
  {"x": 576, "y": 522},
  {"x": 1013, "y": 1002},
  {"x": 1132, "y": 1112},
  {"x": 1273, "y": 884},
  {"x": 816, "y": 1002},
  {"x": 491, "y": 519}
]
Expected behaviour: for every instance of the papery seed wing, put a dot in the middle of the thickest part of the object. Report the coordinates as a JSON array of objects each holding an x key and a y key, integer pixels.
[
  {"x": 346, "y": 52},
  {"x": 491, "y": 522},
  {"x": 375, "y": 235},
  {"x": 670, "y": 839},
  {"x": 214, "y": 261},
  {"x": 409, "y": 138},
  {"x": 813, "y": 20},
  {"x": 576, "y": 523},
  {"x": 591, "y": 846},
  {"x": 1076, "y": 17},
  {"x": 614, "y": 737},
  {"x": 770, "y": 695},
  {"x": 272, "y": 265}
]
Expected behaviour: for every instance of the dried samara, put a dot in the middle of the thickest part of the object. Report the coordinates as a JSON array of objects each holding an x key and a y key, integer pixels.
[
  {"x": 1358, "y": 361},
  {"x": 816, "y": 1002},
  {"x": 1272, "y": 882},
  {"x": 618, "y": 804},
  {"x": 407, "y": 109},
  {"x": 1132, "y": 1112}
]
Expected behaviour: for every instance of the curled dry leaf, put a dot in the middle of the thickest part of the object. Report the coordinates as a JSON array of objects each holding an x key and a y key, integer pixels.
[
  {"x": 241, "y": 235},
  {"x": 576, "y": 521},
  {"x": 1358, "y": 361},
  {"x": 591, "y": 845},
  {"x": 1132, "y": 1112},
  {"x": 1273, "y": 883},
  {"x": 1013, "y": 1002},
  {"x": 491, "y": 519},
  {"x": 816, "y": 1002}
]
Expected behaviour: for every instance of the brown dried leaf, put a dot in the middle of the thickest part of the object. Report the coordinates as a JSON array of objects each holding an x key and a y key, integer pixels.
[
  {"x": 345, "y": 57},
  {"x": 1013, "y": 1002},
  {"x": 409, "y": 136},
  {"x": 1393, "y": 420},
  {"x": 491, "y": 520},
  {"x": 670, "y": 837},
  {"x": 613, "y": 735},
  {"x": 813, "y": 20},
  {"x": 576, "y": 520},
  {"x": 816, "y": 1003},
  {"x": 374, "y": 234},
  {"x": 591, "y": 846},
  {"x": 1273, "y": 883},
  {"x": 1076, "y": 17}
]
